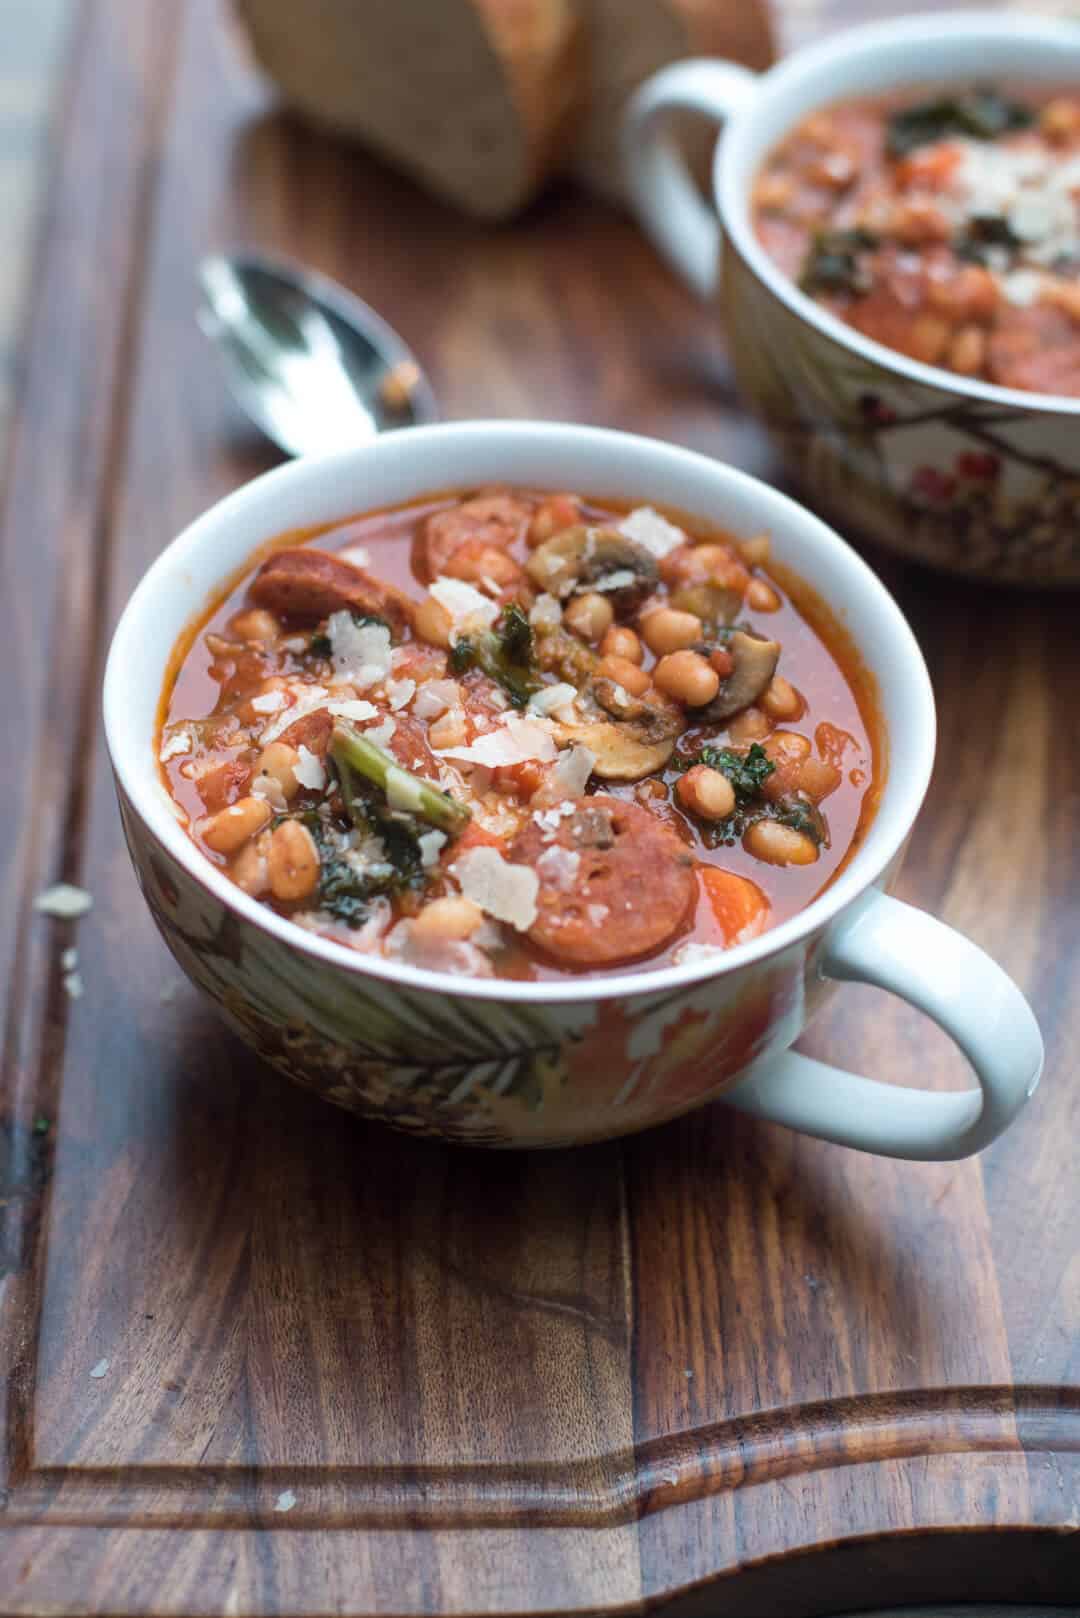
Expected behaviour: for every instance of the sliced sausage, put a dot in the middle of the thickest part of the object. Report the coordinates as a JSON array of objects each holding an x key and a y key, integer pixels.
[
  {"x": 630, "y": 890},
  {"x": 480, "y": 563},
  {"x": 410, "y": 746},
  {"x": 302, "y": 582},
  {"x": 474, "y": 836},
  {"x": 222, "y": 784},
  {"x": 311, "y": 730},
  {"x": 1035, "y": 347},
  {"x": 494, "y": 518}
]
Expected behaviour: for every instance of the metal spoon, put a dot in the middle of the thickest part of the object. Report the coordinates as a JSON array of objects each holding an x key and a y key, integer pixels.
[{"x": 314, "y": 367}]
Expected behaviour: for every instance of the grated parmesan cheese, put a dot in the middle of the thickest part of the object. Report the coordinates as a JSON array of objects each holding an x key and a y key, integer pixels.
[
  {"x": 1022, "y": 287},
  {"x": 435, "y": 697},
  {"x": 1030, "y": 189},
  {"x": 381, "y": 734},
  {"x": 178, "y": 742},
  {"x": 269, "y": 790},
  {"x": 618, "y": 580},
  {"x": 464, "y": 602},
  {"x": 647, "y": 528},
  {"x": 357, "y": 555},
  {"x": 571, "y": 774},
  {"x": 545, "y": 613},
  {"x": 551, "y": 698},
  {"x": 310, "y": 771},
  {"x": 517, "y": 741},
  {"x": 65, "y": 901},
  {"x": 364, "y": 939},
  {"x": 268, "y": 702},
  {"x": 559, "y": 867},
  {"x": 548, "y": 819},
  {"x": 360, "y": 653},
  {"x": 691, "y": 952},
  {"x": 356, "y": 709},
  {"x": 400, "y": 693},
  {"x": 308, "y": 699},
  {"x": 507, "y": 892},
  {"x": 431, "y": 844}
]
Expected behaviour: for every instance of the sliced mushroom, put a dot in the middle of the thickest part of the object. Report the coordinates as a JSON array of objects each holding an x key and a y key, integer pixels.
[
  {"x": 629, "y": 738},
  {"x": 711, "y": 602},
  {"x": 602, "y": 559},
  {"x": 564, "y": 655},
  {"x": 755, "y": 664},
  {"x": 617, "y": 701}
]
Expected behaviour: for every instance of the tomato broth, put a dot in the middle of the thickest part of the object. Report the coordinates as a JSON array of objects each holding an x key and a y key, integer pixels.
[{"x": 493, "y": 733}]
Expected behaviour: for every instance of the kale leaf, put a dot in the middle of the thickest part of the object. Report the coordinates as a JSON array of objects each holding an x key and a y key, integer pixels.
[
  {"x": 833, "y": 262},
  {"x": 514, "y": 634},
  {"x": 983, "y": 232},
  {"x": 801, "y": 815},
  {"x": 366, "y": 805},
  {"x": 504, "y": 653},
  {"x": 320, "y": 645},
  {"x": 746, "y": 771},
  {"x": 981, "y": 114},
  {"x": 462, "y": 656},
  {"x": 343, "y": 891},
  {"x": 346, "y": 894}
]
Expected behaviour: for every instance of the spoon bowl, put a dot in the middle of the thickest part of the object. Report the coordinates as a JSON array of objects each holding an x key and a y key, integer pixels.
[{"x": 314, "y": 367}]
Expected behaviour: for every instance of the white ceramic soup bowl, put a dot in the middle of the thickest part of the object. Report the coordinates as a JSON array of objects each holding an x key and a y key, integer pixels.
[
  {"x": 962, "y": 474},
  {"x": 552, "y": 1064}
]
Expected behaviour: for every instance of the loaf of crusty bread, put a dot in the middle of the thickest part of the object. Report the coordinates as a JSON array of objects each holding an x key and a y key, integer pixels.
[
  {"x": 474, "y": 98},
  {"x": 482, "y": 100},
  {"x": 628, "y": 40}
]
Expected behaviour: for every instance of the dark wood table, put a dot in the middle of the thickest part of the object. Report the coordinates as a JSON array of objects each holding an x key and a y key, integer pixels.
[{"x": 263, "y": 1359}]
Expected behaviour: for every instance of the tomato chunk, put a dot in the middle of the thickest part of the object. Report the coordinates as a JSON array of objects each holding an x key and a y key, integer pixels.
[{"x": 739, "y": 907}]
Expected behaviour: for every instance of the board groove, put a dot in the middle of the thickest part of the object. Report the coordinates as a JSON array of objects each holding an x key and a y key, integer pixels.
[{"x": 682, "y": 1468}]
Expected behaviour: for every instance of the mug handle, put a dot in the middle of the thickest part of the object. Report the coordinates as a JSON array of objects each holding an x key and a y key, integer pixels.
[
  {"x": 671, "y": 209},
  {"x": 896, "y": 947}
]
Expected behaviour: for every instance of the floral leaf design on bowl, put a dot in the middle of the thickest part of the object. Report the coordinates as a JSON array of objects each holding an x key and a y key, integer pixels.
[{"x": 963, "y": 484}]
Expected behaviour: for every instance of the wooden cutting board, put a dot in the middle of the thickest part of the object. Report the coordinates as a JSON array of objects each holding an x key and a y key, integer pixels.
[{"x": 263, "y": 1359}]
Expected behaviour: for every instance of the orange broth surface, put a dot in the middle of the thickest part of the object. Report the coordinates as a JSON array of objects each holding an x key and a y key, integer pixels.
[{"x": 841, "y": 721}]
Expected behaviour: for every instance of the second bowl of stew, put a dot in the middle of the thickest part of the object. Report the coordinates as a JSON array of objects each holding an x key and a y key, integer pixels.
[{"x": 900, "y": 209}]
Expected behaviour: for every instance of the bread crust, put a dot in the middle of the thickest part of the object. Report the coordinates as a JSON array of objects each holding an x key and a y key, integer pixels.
[{"x": 476, "y": 99}]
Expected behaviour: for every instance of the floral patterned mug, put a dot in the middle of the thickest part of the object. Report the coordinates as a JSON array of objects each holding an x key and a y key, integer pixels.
[
  {"x": 552, "y": 1064},
  {"x": 967, "y": 476}
]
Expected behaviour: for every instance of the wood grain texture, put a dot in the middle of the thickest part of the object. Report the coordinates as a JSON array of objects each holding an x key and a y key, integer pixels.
[{"x": 718, "y": 1368}]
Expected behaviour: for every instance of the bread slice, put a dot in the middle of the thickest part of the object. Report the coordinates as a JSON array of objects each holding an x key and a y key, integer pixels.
[
  {"x": 629, "y": 39},
  {"x": 474, "y": 98}
]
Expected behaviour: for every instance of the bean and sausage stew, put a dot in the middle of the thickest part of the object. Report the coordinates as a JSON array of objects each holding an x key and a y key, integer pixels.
[
  {"x": 944, "y": 225},
  {"x": 518, "y": 734}
]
